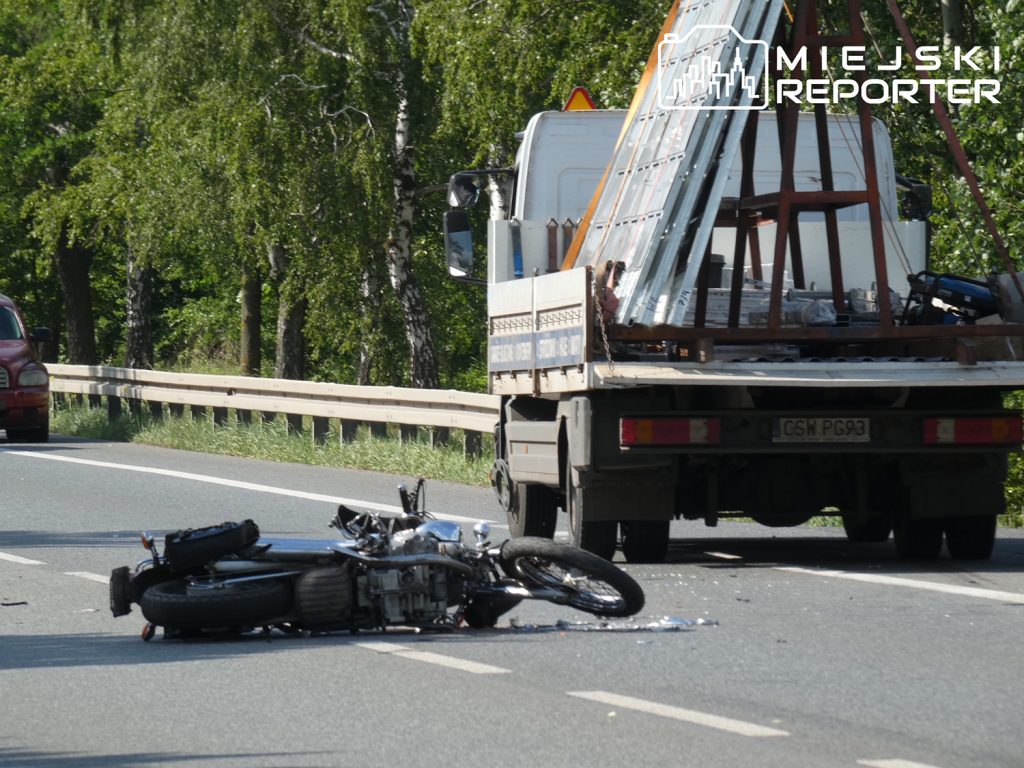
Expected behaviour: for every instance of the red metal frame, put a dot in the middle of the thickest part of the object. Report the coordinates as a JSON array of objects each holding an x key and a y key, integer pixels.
[{"x": 785, "y": 206}]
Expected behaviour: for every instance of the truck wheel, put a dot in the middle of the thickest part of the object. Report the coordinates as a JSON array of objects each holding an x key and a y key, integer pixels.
[
  {"x": 917, "y": 539},
  {"x": 594, "y": 536},
  {"x": 644, "y": 541},
  {"x": 970, "y": 538},
  {"x": 870, "y": 531},
  {"x": 533, "y": 511}
]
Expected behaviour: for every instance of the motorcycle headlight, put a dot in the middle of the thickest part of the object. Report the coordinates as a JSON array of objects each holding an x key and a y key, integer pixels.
[{"x": 33, "y": 377}]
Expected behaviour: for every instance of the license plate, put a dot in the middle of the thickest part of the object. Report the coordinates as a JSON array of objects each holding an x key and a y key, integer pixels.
[{"x": 821, "y": 429}]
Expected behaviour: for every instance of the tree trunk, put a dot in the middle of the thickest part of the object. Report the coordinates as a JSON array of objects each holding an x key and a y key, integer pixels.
[
  {"x": 139, "y": 317},
  {"x": 290, "y": 346},
  {"x": 72, "y": 263},
  {"x": 497, "y": 186},
  {"x": 952, "y": 24},
  {"x": 422, "y": 355},
  {"x": 290, "y": 354},
  {"x": 370, "y": 290},
  {"x": 250, "y": 357}
]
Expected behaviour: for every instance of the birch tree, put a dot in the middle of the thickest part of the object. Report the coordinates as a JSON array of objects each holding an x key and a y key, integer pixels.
[
  {"x": 373, "y": 44},
  {"x": 398, "y": 16}
]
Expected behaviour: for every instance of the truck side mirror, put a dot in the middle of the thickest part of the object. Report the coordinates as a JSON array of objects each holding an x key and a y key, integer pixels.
[
  {"x": 916, "y": 200},
  {"x": 463, "y": 191},
  {"x": 916, "y": 204},
  {"x": 458, "y": 243}
]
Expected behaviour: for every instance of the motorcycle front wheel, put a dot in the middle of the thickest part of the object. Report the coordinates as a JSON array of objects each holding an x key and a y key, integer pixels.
[
  {"x": 246, "y": 604},
  {"x": 582, "y": 579}
]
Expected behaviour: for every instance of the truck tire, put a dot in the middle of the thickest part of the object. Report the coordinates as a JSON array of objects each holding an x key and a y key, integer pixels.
[
  {"x": 970, "y": 538},
  {"x": 533, "y": 511},
  {"x": 917, "y": 539},
  {"x": 644, "y": 541},
  {"x": 598, "y": 537}
]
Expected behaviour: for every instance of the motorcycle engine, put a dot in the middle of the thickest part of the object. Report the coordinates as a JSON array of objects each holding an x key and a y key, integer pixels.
[{"x": 416, "y": 594}]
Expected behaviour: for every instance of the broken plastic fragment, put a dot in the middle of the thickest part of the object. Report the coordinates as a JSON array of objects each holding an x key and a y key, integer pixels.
[{"x": 664, "y": 624}]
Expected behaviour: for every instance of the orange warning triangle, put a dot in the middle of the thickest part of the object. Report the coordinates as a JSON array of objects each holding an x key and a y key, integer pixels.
[{"x": 579, "y": 99}]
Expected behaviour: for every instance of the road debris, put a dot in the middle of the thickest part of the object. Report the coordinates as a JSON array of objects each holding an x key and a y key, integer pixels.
[{"x": 664, "y": 624}]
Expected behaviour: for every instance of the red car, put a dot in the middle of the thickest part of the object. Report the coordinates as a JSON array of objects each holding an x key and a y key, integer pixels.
[{"x": 24, "y": 382}]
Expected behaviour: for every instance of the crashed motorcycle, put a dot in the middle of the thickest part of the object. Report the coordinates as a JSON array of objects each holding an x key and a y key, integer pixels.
[{"x": 409, "y": 570}]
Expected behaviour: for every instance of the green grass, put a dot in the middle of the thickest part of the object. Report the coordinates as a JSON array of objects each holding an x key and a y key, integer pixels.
[{"x": 272, "y": 441}]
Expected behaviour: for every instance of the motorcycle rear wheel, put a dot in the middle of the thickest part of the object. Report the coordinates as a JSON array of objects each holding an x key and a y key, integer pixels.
[
  {"x": 585, "y": 581},
  {"x": 246, "y": 604}
]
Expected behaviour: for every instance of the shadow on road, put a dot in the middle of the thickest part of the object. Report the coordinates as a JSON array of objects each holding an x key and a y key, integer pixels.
[
  {"x": 13, "y": 757},
  {"x": 95, "y": 650},
  {"x": 6, "y": 446},
  {"x": 31, "y": 539},
  {"x": 12, "y": 540},
  {"x": 831, "y": 551}
]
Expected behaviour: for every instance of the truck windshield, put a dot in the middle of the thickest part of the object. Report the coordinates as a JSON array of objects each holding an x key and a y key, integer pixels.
[{"x": 10, "y": 328}]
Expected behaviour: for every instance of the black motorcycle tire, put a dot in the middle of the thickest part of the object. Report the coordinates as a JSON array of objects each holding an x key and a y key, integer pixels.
[
  {"x": 585, "y": 581},
  {"x": 247, "y": 604}
]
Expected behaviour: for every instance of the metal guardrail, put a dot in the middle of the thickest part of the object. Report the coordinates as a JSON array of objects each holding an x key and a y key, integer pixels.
[{"x": 411, "y": 409}]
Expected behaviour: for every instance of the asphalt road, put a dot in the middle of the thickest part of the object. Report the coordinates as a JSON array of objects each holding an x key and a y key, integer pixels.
[{"x": 783, "y": 647}]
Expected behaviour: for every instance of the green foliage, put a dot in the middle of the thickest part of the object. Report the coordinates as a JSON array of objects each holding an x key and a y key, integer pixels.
[
  {"x": 1014, "y": 517},
  {"x": 499, "y": 62},
  {"x": 202, "y": 329},
  {"x": 195, "y": 135},
  {"x": 273, "y": 442},
  {"x": 52, "y": 85},
  {"x": 991, "y": 134}
]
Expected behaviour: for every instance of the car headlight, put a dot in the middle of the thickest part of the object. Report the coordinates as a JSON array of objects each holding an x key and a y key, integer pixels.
[{"x": 33, "y": 377}]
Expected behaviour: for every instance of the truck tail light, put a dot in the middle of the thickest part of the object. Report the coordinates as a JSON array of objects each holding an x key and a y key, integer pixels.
[
  {"x": 668, "y": 430},
  {"x": 963, "y": 430}
]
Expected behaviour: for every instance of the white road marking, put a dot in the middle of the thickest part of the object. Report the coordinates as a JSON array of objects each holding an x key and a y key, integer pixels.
[
  {"x": 738, "y": 727},
  {"x": 19, "y": 560},
  {"x": 90, "y": 576},
  {"x": 893, "y": 763},
  {"x": 723, "y": 555},
  {"x": 899, "y": 581},
  {"x": 1016, "y": 598},
  {"x": 241, "y": 484},
  {"x": 427, "y": 657}
]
